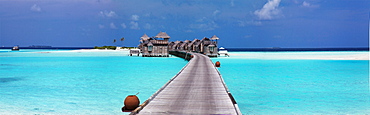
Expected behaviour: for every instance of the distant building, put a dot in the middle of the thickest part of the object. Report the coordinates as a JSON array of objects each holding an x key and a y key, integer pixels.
[
  {"x": 154, "y": 47},
  {"x": 159, "y": 46},
  {"x": 208, "y": 47},
  {"x": 193, "y": 45}
]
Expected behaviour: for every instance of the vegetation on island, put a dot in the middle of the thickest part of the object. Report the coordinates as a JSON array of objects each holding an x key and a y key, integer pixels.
[
  {"x": 106, "y": 47},
  {"x": 112, "y": 47}
]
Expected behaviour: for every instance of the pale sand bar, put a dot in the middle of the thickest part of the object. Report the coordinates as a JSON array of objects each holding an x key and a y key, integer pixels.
[
  {"x": 338, "y": 55},
  {"x": 309, "y": 55}
]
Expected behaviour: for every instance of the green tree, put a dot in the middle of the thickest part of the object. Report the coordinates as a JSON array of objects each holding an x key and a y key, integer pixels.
[
  {"x": 122, "y": 39},
  {"x": 114, "y": 41}
]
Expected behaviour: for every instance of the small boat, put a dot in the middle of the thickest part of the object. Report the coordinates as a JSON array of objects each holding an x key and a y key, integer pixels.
[
  {"x": 222, "y": 51},
  {"x": 15, "y": 48},
  {"x": 134, "y": 52}
]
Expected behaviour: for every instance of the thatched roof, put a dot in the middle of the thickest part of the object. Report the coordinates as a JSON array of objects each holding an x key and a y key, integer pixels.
[
  {"x": 193, "y": 42},
  {"x": 214, "y": 37},
  {"x": 204, "y": 39},
  {"x": 187, "y": 41},
  {"x": 184, "y": 44},
  {"x": 144, "y": 37},
  {"x": 162, "y": 35}
]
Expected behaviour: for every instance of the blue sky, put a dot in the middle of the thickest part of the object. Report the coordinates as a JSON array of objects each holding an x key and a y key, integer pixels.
[{"x": 238, "y": 23}]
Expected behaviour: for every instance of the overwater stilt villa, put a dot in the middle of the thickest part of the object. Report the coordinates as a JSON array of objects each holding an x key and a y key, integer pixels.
[
  {"x": 154, "y": 47},
  {"x": 159, "y": 46}
]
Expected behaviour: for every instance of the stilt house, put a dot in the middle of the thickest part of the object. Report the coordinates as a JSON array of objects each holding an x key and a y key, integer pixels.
[
  {"x": 159, "y": 46},
  {"x": 193, "y": 46},
  {"x": 155, "y": 47},
  {"x": 209, "y": 46}
]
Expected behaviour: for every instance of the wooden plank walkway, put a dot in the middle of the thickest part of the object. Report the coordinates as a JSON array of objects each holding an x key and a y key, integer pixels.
[{"x": 197, "y": 89}]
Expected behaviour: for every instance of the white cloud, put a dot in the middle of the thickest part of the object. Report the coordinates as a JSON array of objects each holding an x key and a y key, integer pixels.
[
  {"x": 296, "y": 2},
  {"x": 202, "y": 19},
  {"x": 134, "y": 25},
  {"x": 147, "y": 26},
  {"x": 147, "y": 15},
  {"x": 188, "y": 31},
  {"x": 216, "y": 12},
  {"x": 163, "y": 18},
  {"x": 204, "y": 24},
  {"x": 108, "y": 14},
  {"x": 36, "y": 8},
  {"x": 232, "y": 3},
  {"x": 123, "y": 25},
  {"x": 309, "y": 5},
  {"x": 269, "y": 10},
  {"x": 306, "y": 4},
  {"x": 101, "y": 26},
  {"x": 242, "y": 23},
  {"x": 112, "y": 26},
  {"x": 248, "y": 36},
  {"x": 135, "y": 17},
  {"x": 111, "y": 14},
  {"x": 246, "y": 23}
]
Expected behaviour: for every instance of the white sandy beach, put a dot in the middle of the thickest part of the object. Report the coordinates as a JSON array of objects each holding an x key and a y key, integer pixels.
[
  {"x": 337, "y": 55},
  {"x": 309, "y": 55},
  {"x": 95, "y": 50},
  {"x": 360, "y": 55}
]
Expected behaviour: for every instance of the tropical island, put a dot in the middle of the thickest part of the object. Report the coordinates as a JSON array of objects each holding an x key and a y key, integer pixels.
[{"x": 113, "y": 47}]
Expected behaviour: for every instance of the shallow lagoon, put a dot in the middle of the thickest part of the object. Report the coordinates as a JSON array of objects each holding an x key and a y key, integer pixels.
[
  {"x": 298, "y": 86},
  {"x": 97, "y": 81},
  {"x": 78, "y": 82},
  {"x": 298, "y": 82}
]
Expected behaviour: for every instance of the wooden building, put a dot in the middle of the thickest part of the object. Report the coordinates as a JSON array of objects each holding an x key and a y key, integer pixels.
[
  {"x": 193, "y": 45},
  {"x": 176, "y": 46},
  {"x": 208, "y": 47},
  {"x": 184, "y": 45},
  {"x": 155, "y": 46},
  {"x": 159, "y": 46}
]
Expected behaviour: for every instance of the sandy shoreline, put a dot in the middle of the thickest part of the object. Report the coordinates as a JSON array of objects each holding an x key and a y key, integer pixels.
[
  {"x": 322, "y": 55},
  {"x": 96, "y": 50},
  {"x": 302, "y": 55}
]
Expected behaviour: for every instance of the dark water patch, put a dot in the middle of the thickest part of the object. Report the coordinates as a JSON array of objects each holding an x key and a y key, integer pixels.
[
  {"x": 9, "y": 79},
  {"x": 42, "y": 112},
  {"x": 7, "y": 65}
]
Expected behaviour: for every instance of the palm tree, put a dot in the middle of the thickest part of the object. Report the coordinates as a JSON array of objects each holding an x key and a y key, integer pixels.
[
  {"x": 114, "y": 42},
  {"x": 122, "y": 39}
]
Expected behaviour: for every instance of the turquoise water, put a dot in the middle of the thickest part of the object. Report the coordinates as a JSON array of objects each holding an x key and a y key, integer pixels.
[
  {"x": 81, "y": 82},
  {"x": 78, "y": 82},
  {"x": 298, "y": 86}
]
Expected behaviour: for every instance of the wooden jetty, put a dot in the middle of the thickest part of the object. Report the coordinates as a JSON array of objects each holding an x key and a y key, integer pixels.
[{"x": 197, "y": 89}]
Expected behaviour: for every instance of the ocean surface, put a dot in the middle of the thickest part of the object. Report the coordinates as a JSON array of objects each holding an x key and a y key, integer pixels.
[{"x": 34, "y": 81}]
